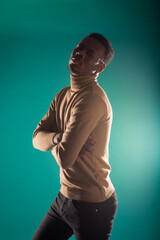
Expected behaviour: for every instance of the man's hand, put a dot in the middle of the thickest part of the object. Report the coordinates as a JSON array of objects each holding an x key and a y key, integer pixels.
[
  {"x": 88, "y": 146},
  {"x": 57, "y": 138}
]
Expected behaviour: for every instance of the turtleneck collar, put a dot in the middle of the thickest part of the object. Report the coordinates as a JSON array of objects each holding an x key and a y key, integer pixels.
[{"x": 78, "y": 82}]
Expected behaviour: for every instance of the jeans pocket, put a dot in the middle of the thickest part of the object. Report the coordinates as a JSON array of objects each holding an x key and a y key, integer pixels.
[{"x": 111, "y": 211}]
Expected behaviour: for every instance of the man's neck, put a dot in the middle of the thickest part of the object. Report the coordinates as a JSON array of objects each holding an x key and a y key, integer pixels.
[{"x": 80, "y": 81}]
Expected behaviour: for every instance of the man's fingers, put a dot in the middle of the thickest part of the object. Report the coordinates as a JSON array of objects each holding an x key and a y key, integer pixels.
[
  {"x": 84, "y": 150},
  {"x": 58, "y": 138},
  {"x": 88, "y": 147},
  {"x": 92, "y": 142}
]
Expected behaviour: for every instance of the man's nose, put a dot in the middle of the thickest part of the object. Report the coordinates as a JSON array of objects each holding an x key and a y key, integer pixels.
[{"x": 80, "y": 53}]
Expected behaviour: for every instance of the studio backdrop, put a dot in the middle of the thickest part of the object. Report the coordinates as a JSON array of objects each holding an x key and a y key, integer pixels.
[{"x": 36, "y": 41}]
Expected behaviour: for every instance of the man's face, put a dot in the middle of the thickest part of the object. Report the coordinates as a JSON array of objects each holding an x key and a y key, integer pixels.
[{"x": 86, "y": 58}]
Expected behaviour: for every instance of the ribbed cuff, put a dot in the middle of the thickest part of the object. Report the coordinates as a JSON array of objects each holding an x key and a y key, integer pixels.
[{"x": 53, "y": 139}]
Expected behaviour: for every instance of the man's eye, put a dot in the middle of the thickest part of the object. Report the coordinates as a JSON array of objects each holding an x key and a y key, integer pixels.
[
  {"x": 76, "y": 49},
  {"x": 89, "y": 53}
]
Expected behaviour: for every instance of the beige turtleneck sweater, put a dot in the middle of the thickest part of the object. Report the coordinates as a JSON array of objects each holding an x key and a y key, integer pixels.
[{"x": 78, "y": 111}]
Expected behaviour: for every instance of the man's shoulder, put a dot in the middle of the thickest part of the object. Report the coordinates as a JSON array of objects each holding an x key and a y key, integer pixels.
[
  {"x": 102, "y": 95},
  {"x": 90, "y": 100},
  {"x": 101, "y": 92},
  {"x": 63, "y": 91}
]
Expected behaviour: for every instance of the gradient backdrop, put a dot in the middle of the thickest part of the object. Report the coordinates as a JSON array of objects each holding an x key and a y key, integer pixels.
[{"x": 36, "y": 40}]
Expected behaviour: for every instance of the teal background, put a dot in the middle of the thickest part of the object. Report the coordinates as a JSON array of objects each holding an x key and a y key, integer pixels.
[{"x": 36, "y": 40}]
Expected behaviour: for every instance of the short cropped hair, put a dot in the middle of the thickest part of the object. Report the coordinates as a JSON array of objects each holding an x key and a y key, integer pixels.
[{"x": 109, "y": 52}]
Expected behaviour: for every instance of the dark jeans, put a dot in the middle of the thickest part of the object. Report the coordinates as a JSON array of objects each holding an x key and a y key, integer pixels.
[{"x": 87, "y": 220}]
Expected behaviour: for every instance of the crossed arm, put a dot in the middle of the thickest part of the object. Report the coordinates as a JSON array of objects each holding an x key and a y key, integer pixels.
[
  {"x": 76, "y": 138},
  {"x": 46, "y": 130},
  {"x": 87, "y": 147}
]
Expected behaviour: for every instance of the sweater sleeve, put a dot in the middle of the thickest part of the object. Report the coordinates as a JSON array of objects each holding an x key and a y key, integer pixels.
[
  {"x": 87, "y": 113},
  {"x": 45, "y": 130}
]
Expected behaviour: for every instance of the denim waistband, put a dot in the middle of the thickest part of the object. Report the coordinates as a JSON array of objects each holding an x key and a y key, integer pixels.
[{"x": 111, "y": 200}]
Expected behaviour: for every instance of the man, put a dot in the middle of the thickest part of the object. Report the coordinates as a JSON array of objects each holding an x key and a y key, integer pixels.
[{"x": 77, "y": 129}]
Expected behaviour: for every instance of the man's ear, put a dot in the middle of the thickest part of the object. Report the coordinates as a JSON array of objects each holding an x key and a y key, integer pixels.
[{"x": 101, "y": 66}]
